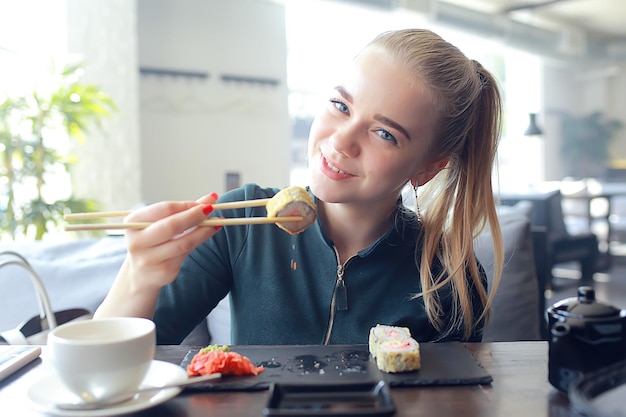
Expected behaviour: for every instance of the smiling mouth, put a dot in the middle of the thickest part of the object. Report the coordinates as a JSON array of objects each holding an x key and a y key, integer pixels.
[{"x": 335, "y": 169}]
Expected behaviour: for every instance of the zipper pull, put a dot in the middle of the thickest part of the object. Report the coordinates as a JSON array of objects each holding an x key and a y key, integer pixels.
[
  {"x": 341, "y": 292},
  {"x": 342, "y": 296}
]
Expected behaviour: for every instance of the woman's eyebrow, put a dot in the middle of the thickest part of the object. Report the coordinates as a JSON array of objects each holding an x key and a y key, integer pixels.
[
  {"x": 393, "y": 124},
  {"x": 342, "y": 91}
]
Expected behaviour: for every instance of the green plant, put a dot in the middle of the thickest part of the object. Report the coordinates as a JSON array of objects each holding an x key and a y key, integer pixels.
[
  {"x": 586, "y": 143},
  {"x": 35, "y": 131}
]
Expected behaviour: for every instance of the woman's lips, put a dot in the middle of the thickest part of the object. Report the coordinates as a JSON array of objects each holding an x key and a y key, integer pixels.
[{"x": 333, "y": 172}]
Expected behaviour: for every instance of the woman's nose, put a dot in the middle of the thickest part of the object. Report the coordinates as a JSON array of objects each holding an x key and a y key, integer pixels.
[{"x": 345, "y": 140}]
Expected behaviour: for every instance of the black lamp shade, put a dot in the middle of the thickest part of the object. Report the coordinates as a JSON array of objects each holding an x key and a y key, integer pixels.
[{"x": 532, "y": 128}]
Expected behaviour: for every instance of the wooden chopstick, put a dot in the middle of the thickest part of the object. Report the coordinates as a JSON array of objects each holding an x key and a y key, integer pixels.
[
  {"x": 124, "y": 213},
  {"x": 210, "y": 222}
]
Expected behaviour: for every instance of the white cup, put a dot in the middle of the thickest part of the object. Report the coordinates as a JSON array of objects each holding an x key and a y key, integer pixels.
[{"x": 102, "y": 357}]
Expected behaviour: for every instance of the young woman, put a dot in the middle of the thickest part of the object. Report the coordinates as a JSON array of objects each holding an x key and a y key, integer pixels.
[{"x": 412, "y": 110}]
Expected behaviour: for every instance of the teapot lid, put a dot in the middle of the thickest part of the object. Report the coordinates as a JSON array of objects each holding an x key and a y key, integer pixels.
[{"x": 585, "y": 305}]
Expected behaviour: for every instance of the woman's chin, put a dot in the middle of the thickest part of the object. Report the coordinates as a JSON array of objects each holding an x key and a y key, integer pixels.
[{"x": 325, "y": 194}]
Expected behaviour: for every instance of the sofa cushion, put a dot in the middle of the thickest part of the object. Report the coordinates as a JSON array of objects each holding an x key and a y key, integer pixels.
[
  {"x": 76, "y": 273},
  {"x": 219, "y": 323},
  {"x": 515, "y": 309}
]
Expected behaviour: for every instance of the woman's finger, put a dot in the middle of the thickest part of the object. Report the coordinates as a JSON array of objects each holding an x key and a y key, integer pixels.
[
  {"x": 169, "y": 255},
  {"x": 168, "y": 228},
  {"x": 164, "y": 209},
  {"x": 208, "y": 199},
  {"x": 159, "y": 211}
]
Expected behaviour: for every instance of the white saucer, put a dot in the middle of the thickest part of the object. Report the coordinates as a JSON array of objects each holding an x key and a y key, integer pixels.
[{"x": 49, "y": 390}]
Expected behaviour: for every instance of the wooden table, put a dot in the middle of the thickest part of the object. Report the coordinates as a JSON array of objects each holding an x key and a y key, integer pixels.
[{"x": 520, "y": 388}]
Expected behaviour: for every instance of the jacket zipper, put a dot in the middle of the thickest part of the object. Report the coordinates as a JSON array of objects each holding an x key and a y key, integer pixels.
[{"x": 339, "y": 300}]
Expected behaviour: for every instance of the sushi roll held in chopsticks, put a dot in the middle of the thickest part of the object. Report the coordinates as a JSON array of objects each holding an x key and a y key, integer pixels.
[{"x": 292, "y": 201}]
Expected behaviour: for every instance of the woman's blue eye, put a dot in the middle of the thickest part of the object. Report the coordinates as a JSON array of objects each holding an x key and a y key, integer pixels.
[
  {"x": 340, "y": 106},
  {"x": 387, "y": 136}
]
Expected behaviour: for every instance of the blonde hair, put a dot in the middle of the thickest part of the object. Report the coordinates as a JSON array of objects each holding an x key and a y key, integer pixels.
[{"x": 458, "y": 203}]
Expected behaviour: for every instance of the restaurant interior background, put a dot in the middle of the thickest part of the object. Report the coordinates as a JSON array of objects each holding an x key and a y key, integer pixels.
[{"x": 212, "y": 94}]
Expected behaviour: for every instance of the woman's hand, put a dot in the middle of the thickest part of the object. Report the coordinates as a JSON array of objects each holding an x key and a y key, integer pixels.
[
  {"x": 156, "y": 253},
  {"x": 158, "y": 250}
]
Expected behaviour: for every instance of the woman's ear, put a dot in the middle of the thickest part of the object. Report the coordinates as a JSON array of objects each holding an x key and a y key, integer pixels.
[{"x": 429, "y": 172}]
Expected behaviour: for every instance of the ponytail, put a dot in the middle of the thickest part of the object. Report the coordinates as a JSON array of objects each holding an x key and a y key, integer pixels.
[{"x": 458, "y": 203}]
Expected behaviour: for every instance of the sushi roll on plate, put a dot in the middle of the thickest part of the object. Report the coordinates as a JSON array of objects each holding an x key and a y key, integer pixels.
[{"x": 394, "y": 349}]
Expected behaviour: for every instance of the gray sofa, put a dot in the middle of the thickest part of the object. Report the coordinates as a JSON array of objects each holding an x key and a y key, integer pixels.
[{"x": 78, "y": 273}]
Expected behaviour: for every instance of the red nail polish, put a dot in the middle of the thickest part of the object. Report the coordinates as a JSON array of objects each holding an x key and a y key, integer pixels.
[
  {"x": 214, "y": 195},
  {"x": 207, "y": 209}
]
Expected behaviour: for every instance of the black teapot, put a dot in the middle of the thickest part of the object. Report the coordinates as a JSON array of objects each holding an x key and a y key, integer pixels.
[{"x": 584, "y": 335}]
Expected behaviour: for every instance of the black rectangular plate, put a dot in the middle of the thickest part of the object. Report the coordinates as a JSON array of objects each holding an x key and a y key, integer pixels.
[
  {"x": 314, "y": 400},
  {"x": 442, "y": 364}
]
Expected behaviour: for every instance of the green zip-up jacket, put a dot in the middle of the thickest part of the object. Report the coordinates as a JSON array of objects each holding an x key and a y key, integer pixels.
[{"x": 282, "y": 286}]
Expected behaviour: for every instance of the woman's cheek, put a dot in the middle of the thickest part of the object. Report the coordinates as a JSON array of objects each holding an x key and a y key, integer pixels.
[{"x": 320, "y": 131}]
